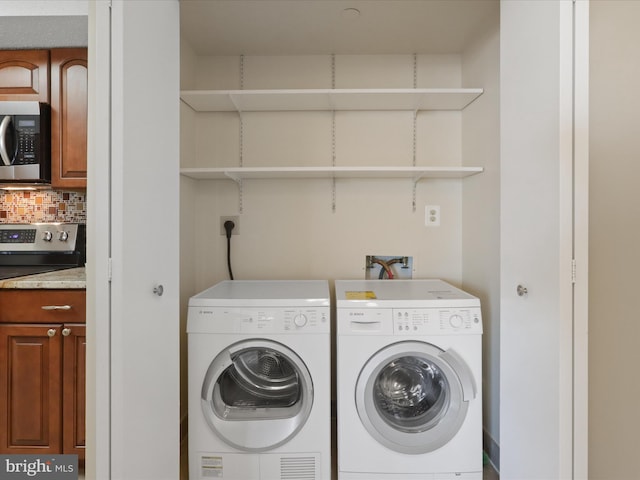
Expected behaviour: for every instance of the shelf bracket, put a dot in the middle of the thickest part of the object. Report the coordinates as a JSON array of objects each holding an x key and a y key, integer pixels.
[
  {"x": 415, "y": 181},
  {"x": 333, "y": 134},
  {"x": 238, "y": 180},
  {"x": 333, "y": 160}
]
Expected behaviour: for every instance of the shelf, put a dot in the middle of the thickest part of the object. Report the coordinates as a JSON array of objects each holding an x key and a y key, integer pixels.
[
  {"x": 415, "y": 173},
  {"x": 411, "y": 99}
]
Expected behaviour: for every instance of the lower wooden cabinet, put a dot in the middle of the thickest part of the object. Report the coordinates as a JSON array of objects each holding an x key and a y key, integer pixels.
[
  {"x": 42, "y": 382},
  {"x": 74, "y": 356}
]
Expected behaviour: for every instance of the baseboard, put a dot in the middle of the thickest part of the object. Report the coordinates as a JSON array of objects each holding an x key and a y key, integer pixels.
[{"x": 492, "y": 449}]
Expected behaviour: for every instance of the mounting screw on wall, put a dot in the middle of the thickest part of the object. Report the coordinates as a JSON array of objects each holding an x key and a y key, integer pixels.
[
  {"x": 432, "y": 215},
  {"x": 236, "y": 228}
]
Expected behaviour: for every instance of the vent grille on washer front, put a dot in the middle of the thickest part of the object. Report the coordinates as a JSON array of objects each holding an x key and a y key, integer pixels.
[{"x": 298, "y": 468}]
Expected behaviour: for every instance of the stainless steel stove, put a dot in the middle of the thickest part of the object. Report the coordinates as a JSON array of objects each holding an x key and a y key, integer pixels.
[{"x": 27, "y": 249}]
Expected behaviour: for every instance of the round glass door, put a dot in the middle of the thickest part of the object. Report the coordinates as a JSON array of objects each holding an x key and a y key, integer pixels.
[
  {"x": 260, "y": 386},
  {"x": 413, "y": 397}
]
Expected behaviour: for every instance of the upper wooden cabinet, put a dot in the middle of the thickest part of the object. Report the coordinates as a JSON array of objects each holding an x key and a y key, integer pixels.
[
  {"x": 58, "y": 77},
  {"x": 69, "y": 76},
  {"x": 24, "y": 75}
]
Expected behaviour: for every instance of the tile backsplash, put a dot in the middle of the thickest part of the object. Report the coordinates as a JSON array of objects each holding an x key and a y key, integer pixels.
[{"x": 43, "y": 206}]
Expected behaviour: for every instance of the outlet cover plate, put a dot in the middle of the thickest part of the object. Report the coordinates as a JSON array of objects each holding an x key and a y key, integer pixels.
[{"x": 432, "y": 215}]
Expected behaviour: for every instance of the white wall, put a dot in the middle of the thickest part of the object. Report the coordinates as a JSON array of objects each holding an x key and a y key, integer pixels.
[{"x": 614, "y": 236}]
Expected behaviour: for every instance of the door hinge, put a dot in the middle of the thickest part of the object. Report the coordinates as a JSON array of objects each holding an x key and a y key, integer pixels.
[
  {"x": 573, "y": 270},
  {"x": 109, "y": 270}
]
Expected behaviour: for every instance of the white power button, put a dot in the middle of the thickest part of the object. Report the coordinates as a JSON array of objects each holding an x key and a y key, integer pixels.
[
  {"x": 455, "y": 321},
  {"x": 300, "y": 320}
]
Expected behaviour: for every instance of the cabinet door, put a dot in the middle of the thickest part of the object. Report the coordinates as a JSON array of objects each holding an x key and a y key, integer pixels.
[
  {"x": 30, "y": 368},
  {"x": 73, "y": 389},
  {"x": 24, "y": 75},
  {"x": 69, "y": 117}
]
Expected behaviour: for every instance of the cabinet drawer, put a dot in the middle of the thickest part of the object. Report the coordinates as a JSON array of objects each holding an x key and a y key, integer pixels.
[{"x": 26, "y": 306}]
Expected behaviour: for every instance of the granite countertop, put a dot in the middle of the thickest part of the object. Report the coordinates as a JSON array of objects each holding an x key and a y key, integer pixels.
[{"x": 72, "y": 278}]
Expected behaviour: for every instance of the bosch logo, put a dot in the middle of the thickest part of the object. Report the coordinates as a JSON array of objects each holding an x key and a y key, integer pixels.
[{"x": 356, "y": 314}]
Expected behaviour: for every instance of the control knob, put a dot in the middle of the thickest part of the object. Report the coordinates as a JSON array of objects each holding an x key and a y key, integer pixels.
[
  {"x": 47, "y": 236},
  {"x": 455, "y": 321},
  {"x": 63, "y": 236},
  {"x": 300, "y": 320}
]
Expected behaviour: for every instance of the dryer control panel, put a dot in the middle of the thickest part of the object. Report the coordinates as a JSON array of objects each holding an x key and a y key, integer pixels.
[{"x": 259, "y": 320}]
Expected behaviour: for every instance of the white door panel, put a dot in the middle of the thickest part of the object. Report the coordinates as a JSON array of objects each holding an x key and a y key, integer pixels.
[
  {"x": 537, "y": 240},
  {"x": 138, "y": 213}
]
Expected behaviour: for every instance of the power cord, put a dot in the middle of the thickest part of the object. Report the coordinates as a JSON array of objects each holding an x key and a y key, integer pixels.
[{"x": 228, "y": 227}]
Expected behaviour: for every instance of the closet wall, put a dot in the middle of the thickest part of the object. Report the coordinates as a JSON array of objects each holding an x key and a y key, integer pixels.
[
  {"x": 614, "y": 236},
  {"x": 313, "y": 228}
]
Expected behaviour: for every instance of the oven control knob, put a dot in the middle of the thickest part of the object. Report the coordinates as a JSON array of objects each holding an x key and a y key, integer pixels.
[
  {"x": 63, "y": 236},
  {"x": 300, "y": 320},
  {"x": 47, "y": 236},
  {"x": 455, "y": 321}
]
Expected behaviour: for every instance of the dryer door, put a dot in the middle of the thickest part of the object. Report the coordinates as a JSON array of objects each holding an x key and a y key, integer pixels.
[
  {"x": 413, "y": 397},
  {"x": 257, "y": 394}
]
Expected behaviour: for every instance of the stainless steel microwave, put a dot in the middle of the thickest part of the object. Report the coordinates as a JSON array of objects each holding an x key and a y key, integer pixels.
[{"x": 25, "y": 142}]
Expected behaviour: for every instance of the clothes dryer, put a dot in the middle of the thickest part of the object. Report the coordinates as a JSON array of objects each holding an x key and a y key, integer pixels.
[
  {"x": 409, "y": 379},
  {"x": 259, "y": 381}
]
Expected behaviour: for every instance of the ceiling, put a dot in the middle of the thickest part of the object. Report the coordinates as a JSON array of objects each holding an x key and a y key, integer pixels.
[
  {"x": 20, "y": 32},
  {"x": 306, "y": 27},
  {"x": 290, "y": 27}
]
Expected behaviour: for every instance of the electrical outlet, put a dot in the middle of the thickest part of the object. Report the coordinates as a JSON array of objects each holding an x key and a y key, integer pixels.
[
  {"x": 432, "y": 215},
  {"x": 236, "y": 228}
]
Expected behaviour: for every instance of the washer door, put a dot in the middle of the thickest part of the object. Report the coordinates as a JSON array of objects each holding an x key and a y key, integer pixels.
[
  {"x": 413, "y": 397},
  {"x": 257, "y": 394}
]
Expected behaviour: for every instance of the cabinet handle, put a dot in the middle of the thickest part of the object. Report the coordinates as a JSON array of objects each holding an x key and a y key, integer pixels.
[
  {"x": 66, "y": 332},
  {"x": 56, "y": 307},
  {"x": 51, "y": 332}
]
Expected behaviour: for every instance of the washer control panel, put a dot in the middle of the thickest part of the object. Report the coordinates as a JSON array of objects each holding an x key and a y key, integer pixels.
[{"x": 422, "y": 321}]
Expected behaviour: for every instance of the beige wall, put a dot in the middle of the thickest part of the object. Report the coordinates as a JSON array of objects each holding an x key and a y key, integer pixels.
[
  {"x": 287, "y": 227},
  {"x": 614, "y": 261},
  {"x": 481, "y": 216}
]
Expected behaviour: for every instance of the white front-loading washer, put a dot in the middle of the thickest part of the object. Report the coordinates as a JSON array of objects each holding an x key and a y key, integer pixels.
[
  {"x": 260, "y": 381},
  {"x": 409, "y": 379}
]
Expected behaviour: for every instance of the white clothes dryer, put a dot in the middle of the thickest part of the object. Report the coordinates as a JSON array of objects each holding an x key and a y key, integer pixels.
[
  {"x": 409, "y": 379},
  {"x": 260, "y": 381}
]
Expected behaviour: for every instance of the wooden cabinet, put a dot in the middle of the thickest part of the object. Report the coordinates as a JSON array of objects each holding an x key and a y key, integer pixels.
[
  {"x": 69, "y": 77},
  {"x": 24, "y": 75},
  {"x": 42, "y": 371},
  {"x": 74, "y": 355},
  {"x": 58, "y": 77}
]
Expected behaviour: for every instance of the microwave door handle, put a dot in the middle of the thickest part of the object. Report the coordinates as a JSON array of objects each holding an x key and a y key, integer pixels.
[{"x": 4, "y": 126}]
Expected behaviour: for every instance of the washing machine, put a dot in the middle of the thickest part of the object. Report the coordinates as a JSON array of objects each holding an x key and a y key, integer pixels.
[
  {"x": 409, "y": 379},
  {"x": 260, "y": 381}
]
